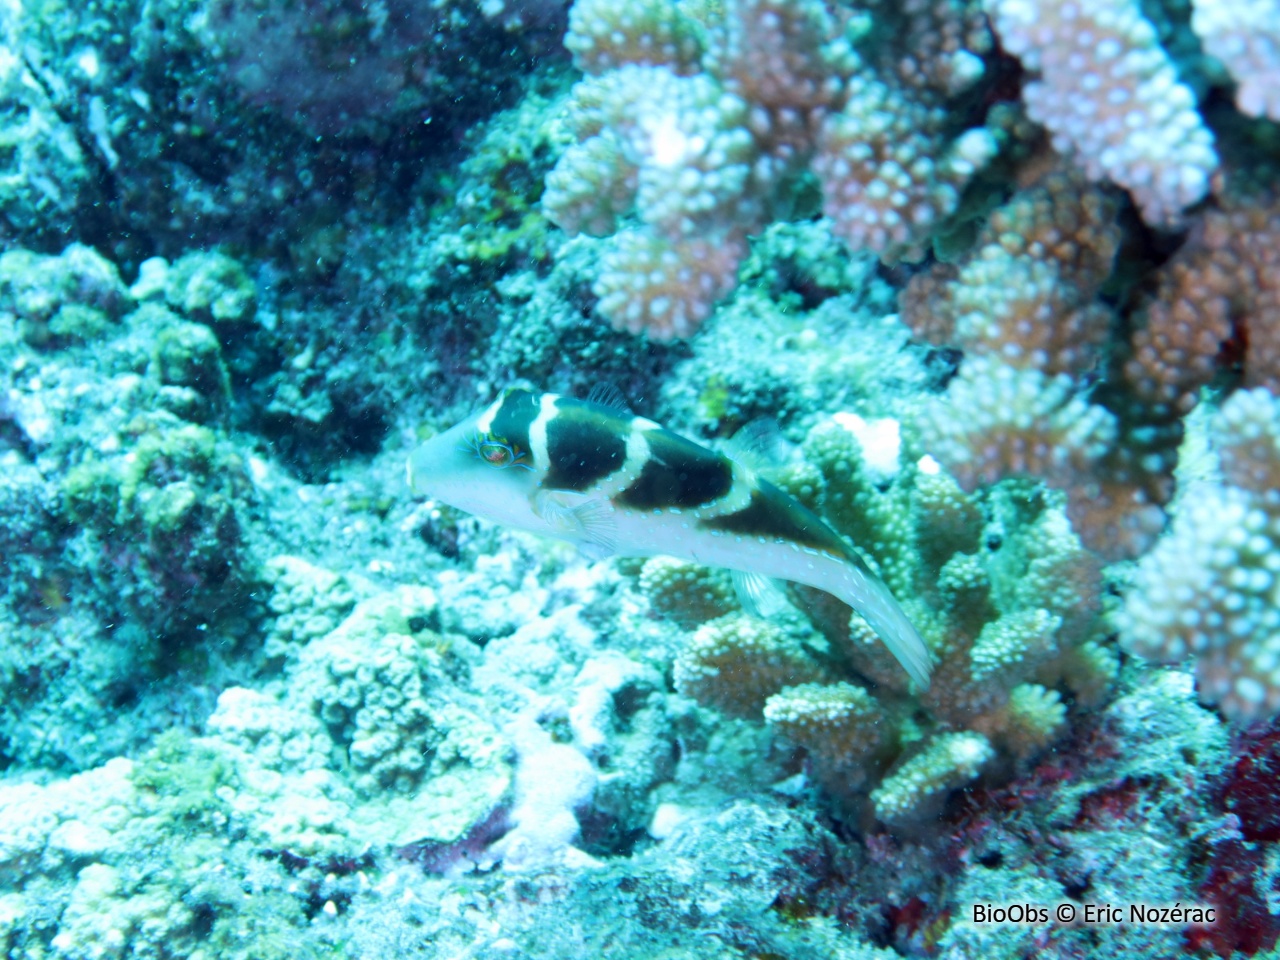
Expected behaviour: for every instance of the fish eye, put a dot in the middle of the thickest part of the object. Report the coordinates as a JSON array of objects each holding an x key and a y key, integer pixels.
[{"x": 496, "y": 453}]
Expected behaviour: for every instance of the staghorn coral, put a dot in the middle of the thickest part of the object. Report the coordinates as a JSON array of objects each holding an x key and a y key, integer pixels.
[
  {"x": 1110, "y": 97},
  {"x": 998, "y": 585},
  {"x": 706, "y": 157},
  {"x": 1209, "y": 591}
]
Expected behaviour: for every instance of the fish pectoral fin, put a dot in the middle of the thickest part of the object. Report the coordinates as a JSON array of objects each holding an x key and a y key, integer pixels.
[
  {"x": 585, "y": 521},
  {"x": 759, "y": 595}
]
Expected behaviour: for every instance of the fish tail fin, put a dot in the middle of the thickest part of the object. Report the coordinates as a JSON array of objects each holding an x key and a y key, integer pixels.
[{"x": 868, "y": 595}]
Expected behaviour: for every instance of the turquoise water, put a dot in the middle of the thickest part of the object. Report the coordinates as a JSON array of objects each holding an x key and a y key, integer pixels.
[{"x": 976, "y": 301}]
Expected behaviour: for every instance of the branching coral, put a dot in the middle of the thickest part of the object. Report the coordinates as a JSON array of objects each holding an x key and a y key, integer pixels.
[
  {"x": 736, "y": 662},
  {"x": 841, "y": 725},
  {"x": 706, "y": 157},
  {"x": 920, "y": 785},
  {"x": 685, "y": 592},
  {"x": 1216, "y": 304},
  {"x": 1210, "y": 590},
  {"x": 1025, "y": 306},
  {"x": 999, "y": 587},
  {"x": 1245, "y": 36},
  {"x": 1110, "y": 97}
]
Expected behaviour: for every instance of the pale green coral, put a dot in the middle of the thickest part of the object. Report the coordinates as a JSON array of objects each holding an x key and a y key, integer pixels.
[
  {"x": 952, "y": 518},
  {"x": 920, "y": 784},
  {"x": 1001, "y": 590},
  {"x": 1010, "y": 647},
  {"x": 841, "y": 725},
  {"x": 878, "y": 523},
  {"x": 1090, "y": 671},
  {"x": 1032, "y": 719}
]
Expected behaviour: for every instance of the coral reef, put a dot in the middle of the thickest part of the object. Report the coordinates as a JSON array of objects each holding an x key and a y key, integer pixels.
[{"x": 1003, "y": 272}]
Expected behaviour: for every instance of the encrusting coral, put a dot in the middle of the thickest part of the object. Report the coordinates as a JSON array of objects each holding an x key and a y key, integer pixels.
[{"x": 1000, "y": 588}]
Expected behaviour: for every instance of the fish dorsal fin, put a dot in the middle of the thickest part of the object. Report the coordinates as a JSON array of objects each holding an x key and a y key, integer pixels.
[
  {"x": 759, "y": 446},
  {"x": 585, "y": 521},
  {"x": 607, "y": 395},
  {"x": 759, "y": 595}
]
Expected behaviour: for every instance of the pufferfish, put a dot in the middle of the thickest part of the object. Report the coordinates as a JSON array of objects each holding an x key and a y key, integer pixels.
[{"x": 613, "y": 483}]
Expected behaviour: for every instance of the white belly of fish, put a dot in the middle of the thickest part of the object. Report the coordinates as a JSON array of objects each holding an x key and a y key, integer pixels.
[{"x": 677, "y": 534}]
